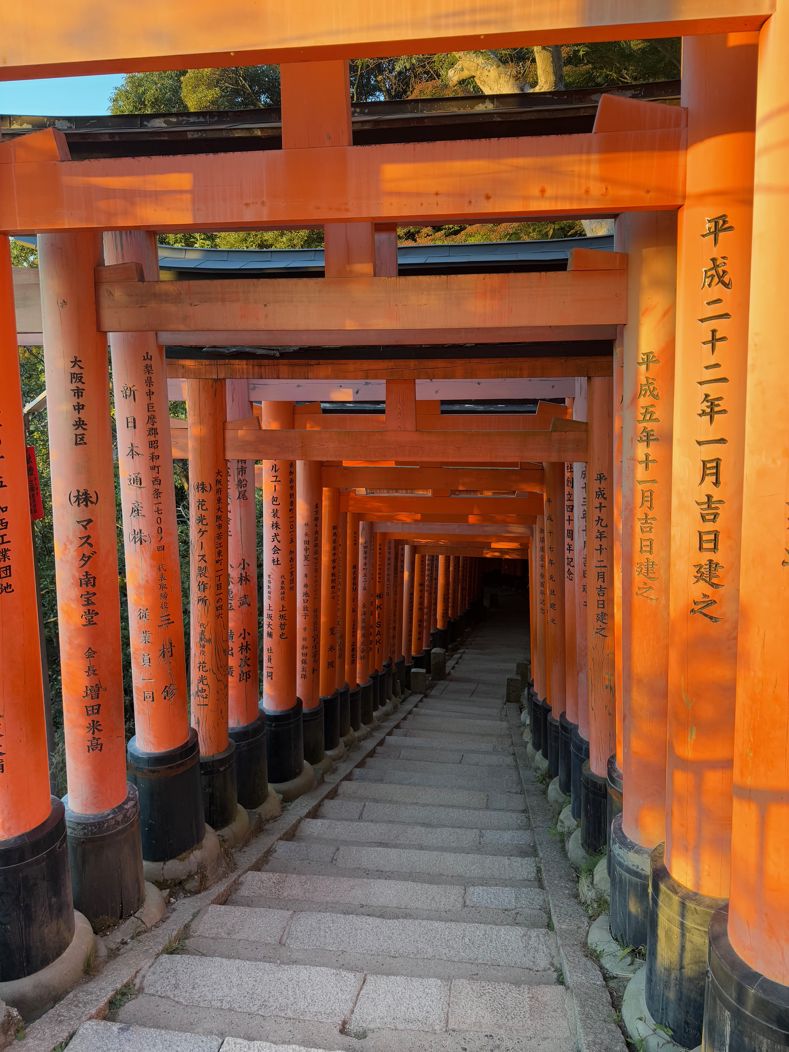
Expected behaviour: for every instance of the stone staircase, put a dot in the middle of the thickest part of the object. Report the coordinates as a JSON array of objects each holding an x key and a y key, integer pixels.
[{"x": 407, "y": 915}]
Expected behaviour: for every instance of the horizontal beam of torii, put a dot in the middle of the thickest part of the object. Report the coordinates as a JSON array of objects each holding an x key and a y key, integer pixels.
[
  {"x": 40, "y": 40},
  {"x": 466, "y": 181},
  {"x": 480, "y": 550},
  {"x": 513, "y": 507},
  {"x": 440, "y": 533},
  {"x": 434, "y": 478}
]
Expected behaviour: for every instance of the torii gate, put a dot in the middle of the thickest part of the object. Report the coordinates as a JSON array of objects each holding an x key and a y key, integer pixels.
[{"x": 678, "y": 676}]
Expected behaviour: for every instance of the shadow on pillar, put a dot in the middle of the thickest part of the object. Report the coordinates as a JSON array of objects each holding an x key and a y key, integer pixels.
[
  {"x": 314, "y": 734},
  {"x": 171, "y": 802},
  {"x": 331, "y": 721},
  {"x": 251, "y": 741},
  {"x": 366, "y": 702},
  {"x": 553, "y": 746},
  {"x": 579, "y": 754},
  {"x": 614, "y": 808},
  {"x": 743, "y": 1010},
  {"x": 105, "y": 859},
  {"x": 375, "y": 681},
  {"x": 285, "y": 744},
  {"x": 594, "y": 811},
  {"x": 355, "y": 708},
  {"x": 565, "y": 759},
  {"x": 629, "y": 898},
  {"x": 218, "y": 782}
]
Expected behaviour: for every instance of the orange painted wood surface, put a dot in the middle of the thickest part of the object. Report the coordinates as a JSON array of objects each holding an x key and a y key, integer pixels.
[
  {"x": 351, "y": 597},
  {"x": 554, "y": 583},
  {"x": 493, "y": 479},
  {"x": 308, "y": 581},
  {"x": 330, "y": 527}
]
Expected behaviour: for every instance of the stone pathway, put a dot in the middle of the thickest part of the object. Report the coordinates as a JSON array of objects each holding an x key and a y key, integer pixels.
[{"x": 408, "y": 914}]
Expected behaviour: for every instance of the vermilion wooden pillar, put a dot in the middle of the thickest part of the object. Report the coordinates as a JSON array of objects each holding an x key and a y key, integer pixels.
[
  {"x": 615, "y": 761},
  {"x": 101, "y": 809},
  {"x": 377, "y": 625},
  {"x": 555, "y": 626},
  {"x": 208, "y": 504},
  {"x": 343, "y": 689},
  {"x": 647, "y": 423},
  {"x": 406, "y": 633},
  {"x": 329, "y": 682},
  {"x": 569, "y": 722},
  {"x": 417, "y": 611},
  {"x": 442, "y": 602},
  {"x": 247, "y": 726},
  {"x": 579, "y": 741},
  {"x": 309, "y": 496},
  {"x": 748, "y": 978},
  {"x": 397, "y": 622},
  {"x": 163, "y": 755},
  {"x": 287, "y": 769},
  {"x": 352, "y": 617},
  {"x": 600, "y": 615},
  {"x": 390, "y": 602},
  {"x": 453, "y": 598},
  {"x": 364, "y": 631},
  {"x": 540, "y": 705},
  {"x": 36, "y": 911},
  {"x": 713, "y": 266},
  {"x": 428, "y": 609}
]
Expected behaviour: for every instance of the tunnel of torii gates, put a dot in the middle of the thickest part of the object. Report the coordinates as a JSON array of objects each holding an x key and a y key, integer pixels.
[{"x": 651, "y": 504}]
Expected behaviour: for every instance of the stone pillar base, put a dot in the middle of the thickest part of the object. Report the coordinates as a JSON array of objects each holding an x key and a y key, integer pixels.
[
  {"x": 194, "y": 870},
  {"x": 34, "y": 994},
  {"x": 743, "y": 1010},
  {"x": 579, "y": 754},
  {"x": 575, "y": 851},
  {"x": 629, "y": 871},
  {"x": 298, "y": 786},
  {"x": 438, "y": 663},
  {"x": 218, "y": 782},
  {"x": 523, "y": 668},
  {"x": 105, "y": 859},
  {"x": 594, "y": 810},
  {"x": 237, "y": 832},
  {"x": 677, "y": 948},
  {"x": 418, "y": 680},
  {"x": 566, "y": 824},
  {"x": 322, "y": 768},
  {"x": 553, "y": 746},
  {"x": 556, "y": 797},
  {"x": 644, "y": 1032},
  {"x": 251, "y": 762},
  {"x": 172, "y": 819},
  {"x": 270, "y": 808},
  {"x": 512, "y": 690}
]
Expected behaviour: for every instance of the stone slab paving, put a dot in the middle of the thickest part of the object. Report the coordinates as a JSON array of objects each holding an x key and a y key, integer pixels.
[{"x": 403, "y": 914}]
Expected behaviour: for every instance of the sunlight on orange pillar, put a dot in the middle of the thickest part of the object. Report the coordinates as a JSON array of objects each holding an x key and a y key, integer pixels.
[
  {"x": 379, "y": 548},
  {"x": 308, "y": 570},
  {"x": 617, "y": 543},
  {"x": 647, "y": 423},
  {"x": 599, "y": 576},
  {"x": 205, "y": 401},
  {"x": 570, "y": 583},
  {"x": 351, "y": 598},
  {"x": 83, "y": 515},
  {"x": 554, "y": 581},
  {"x": 243, "y": 673},
  {"x": 364, "y": 635},
  {"x": 713, "y": 270},
  {"x": 329, "y": 591},
  {"x": 153, "y": 572},
  {"x": 25, "y": 800},
  {"x": 417, "y": 612},
  {"x": 406, "y": 633},
  {"x": 443, "y": 591},
  {"x": 580, "y": 474},
  {"x": 279, "y": 568},
  {"x": 759, "y": 897}
]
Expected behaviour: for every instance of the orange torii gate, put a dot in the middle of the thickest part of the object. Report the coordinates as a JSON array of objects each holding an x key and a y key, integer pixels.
[{"x": 699, "y": 544}]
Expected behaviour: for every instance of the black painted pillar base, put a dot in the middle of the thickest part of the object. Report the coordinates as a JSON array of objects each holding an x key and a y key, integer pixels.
[
  {"x": 743, "y": 1010},
  {"x": 553, "y": 747},
  {"x": 251, "y": 762},
  {"x": 418, "y": 660},
  {"x": 105, "y": 859},
  {"x": 545, "y": 715},
  {"x": 375, "y": 680},
  {"x": 344, "y": 701},
  {"x": 628, "y": 867},
  {"x": 565, "y": 737},
  {"x": 615, "y": 788},
  {"x": 677, "y": 949},
  {"x": 355, "y": 707},
  {"x": 579, "y": 754},
  {"x": 401, "y": 671},
  {"x": 387, "y": 674},
  {"x": 36, "y": 909},
  {"x": 172, "y": 819},
  {"x": 454, "y": 630},
  {"x": 439, "y": 639},
  {"x": 540, "y": 728},
  {"x": 313, "y": 729},
  {"x": 366, "y": 702},
  {"x": 594, "y": 811},
  {"x": 218, "y": 781},
  {"x": 285, "y": 744},
  {"x": 331, "y": 722}
]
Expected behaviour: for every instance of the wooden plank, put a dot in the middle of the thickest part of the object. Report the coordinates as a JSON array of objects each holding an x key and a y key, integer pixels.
[
  {"x": 401, "y": 413},
  {"x": 391, "y": 307},
  {"x": 475, "y": 180},
  {"x": 39, "y": 40},
  {"x": 436, "y": 531},
  {"x": 311, "y": 418}
]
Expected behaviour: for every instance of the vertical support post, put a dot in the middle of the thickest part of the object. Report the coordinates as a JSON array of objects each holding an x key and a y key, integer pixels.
[
  {"x": 208, "y": 508},
  {"x": 101, "y": 808},
  {"x": 540, "y": 705},
  {"x": 417, "y": 611},
  {"x": 442, "y": 608},
  {"x": 343, "y": 642},
  {"x": 364, "y": 657},
  {"x": 246, "y": 723},
  {"x": 352, "y": 618},
  {"x": 615, "y": 760},
  {"x": 288, "y": 772},
  {"x": 406, "y": 634},
  {"x": 163, "y": 755},
  {"x": 555, "y": 628},
  {"x": 377, "y": 640},
  {"x": 568, "y": 722},
  {"x": 453, "y": 599},
  {"x": 600, "y": 617},
  {"x": 428, "y": 609},
  {"x": 690, "y": 879},
  {"x": 36, "y": 910},
  {"x": 390, "y": 604},
  {"x": 308, "y": 573},
  {"x": 579, "y": 740},
  {"x": 329, "y": 622},
  {"x": 647, "y": 420}
]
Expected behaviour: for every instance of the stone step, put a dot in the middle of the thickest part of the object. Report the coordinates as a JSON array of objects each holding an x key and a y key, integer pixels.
[
  {"x": 393, "y": 751},
  {"x": 493, "y": 841},
  {"x": 460, "y": 725},
  {"x": 426, "y": 794},
  {"x": 455, "y": 817},
  {"x": 502, "y": 768},
  {"x": 503, "y": 868},
  {"x": 447, "y": 776},
  {"x": 438, "y": 745},
  {"x": 401, "y": 939},
  {"x": 101, "y": 1036}
]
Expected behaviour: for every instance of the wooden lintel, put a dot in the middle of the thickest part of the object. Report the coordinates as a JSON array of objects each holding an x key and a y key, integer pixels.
[
  {"x": 466, "y": 506},
  {"x": 424, "y": 477},
  {"x": 437, "y": 532}
]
